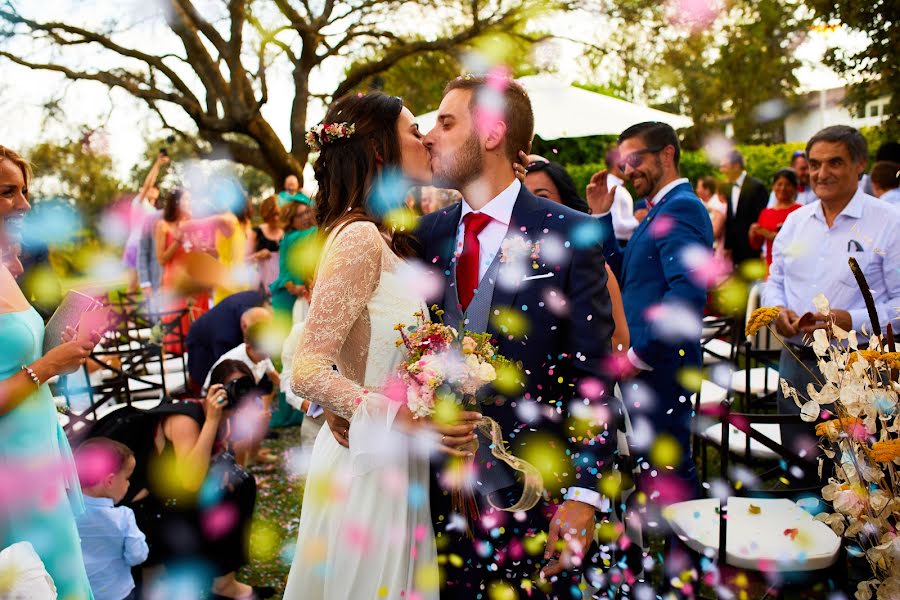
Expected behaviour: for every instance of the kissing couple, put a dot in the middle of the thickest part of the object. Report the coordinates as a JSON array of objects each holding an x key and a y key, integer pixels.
[{"x": 376, "y": 520}]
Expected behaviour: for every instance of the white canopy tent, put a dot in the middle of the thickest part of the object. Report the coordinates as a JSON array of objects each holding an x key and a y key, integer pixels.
[{"x": 565, "y": 111}]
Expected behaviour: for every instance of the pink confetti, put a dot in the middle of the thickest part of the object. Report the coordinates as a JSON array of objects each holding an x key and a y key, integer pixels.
[
  {"x": 661, "y": 226},
  {"x": 219, "y": 520}
]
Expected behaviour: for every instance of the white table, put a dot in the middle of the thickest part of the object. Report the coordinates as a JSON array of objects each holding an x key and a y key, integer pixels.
[{"x": 757, "y": 541}]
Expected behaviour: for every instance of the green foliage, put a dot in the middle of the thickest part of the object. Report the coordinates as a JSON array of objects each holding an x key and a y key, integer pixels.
[
  {"x": 762, "y": 162},
  {"x": 875, "y": 68},
  {"x": 583, "y": 150},
  {"x": 73, "y": 169},
  {"x": 418, "y": 79}
]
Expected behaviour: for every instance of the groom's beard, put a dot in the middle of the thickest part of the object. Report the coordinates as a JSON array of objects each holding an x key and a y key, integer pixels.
[{"x": 466, "y": 166}]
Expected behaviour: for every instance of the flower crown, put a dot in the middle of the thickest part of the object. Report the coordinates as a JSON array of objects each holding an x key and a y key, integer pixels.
[{"x": 322, "y": 134}]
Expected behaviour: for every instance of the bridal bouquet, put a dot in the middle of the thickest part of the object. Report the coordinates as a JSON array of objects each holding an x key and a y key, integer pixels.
[
  {"x": 857, "y": 399},
  {"x": 446, "y": 367},
  {"x": 442, "y": 365}
]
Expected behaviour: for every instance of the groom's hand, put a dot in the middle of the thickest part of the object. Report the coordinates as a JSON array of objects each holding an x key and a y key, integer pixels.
[
  {"x": 571, "y": 535},
  {"x": 340, "y": 428}
]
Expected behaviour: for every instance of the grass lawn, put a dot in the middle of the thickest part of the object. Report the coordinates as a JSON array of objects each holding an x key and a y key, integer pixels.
[{"x": 274, "y": 532}]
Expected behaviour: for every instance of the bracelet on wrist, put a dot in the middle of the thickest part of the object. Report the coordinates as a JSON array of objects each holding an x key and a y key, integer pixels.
[{"x": 30, "y": 372}]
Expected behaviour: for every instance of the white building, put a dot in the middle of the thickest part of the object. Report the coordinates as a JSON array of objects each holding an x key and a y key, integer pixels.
[{"x": 824, "y": 108}]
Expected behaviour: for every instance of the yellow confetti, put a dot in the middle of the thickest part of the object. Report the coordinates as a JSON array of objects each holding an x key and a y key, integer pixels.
[
  {"x": 510, "y": 379},
  {"x": 265, "y": 541},
  {"x": 500, "y": 590},
  {"x": 510, "y": 321},
  {"x": 754, "y": 510},
  {"x": 456, "y": 560},
  {"x": 690, "y": 379},
  {"x": 401, "y": 219},
  {"x": 428, "y": 578},
  {"x": 665, "y": 452}
]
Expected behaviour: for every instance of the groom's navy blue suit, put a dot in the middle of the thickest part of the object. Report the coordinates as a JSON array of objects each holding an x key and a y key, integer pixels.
[{"x": 565, "y": 345}]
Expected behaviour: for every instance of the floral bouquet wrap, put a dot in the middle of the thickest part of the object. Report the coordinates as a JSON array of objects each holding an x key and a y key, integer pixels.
[{"x": 443, "y": 373}]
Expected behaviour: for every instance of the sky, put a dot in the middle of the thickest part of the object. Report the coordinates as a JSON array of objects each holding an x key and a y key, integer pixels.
[{"x": 127, "y": 123}]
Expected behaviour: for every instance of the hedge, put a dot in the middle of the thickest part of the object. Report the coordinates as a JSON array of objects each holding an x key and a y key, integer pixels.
[{"x": 762, "y": 162}]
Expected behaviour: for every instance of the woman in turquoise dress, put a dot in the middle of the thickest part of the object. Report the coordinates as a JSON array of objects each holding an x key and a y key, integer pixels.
[
  {"x": 299, "y": 222},
  {"x": 41, "y": 493}
]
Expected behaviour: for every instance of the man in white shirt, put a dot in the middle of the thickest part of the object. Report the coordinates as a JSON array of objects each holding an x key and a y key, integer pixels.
[
  {"x": 811, "y": 252},
  {"x": 252, "y": 352},
  {"x": 623, "y": 221}
]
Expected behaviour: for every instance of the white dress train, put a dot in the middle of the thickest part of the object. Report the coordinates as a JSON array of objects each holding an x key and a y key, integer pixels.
[{"x": 365, "y": 524}]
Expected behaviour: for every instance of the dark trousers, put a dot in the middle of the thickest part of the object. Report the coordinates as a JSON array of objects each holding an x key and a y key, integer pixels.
[
  {"x": 659, "y": 398},
  {"x": 504, "y": 552}
]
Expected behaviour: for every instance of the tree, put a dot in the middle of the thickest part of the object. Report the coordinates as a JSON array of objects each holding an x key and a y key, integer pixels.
[
  {"x": 180, "y": 150},
  {"x": 217, "y": 78},
  {"x": 874, "y": 69},
  {"x": 708, "y": 59},
  {"x": 79, "y": 170}
]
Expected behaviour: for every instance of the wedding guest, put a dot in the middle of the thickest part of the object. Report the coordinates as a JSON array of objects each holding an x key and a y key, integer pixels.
[
  {"x": 810, "y": 256},
  {"x": 143, "y": 206},
  {"x": 34, "y": 452},
  {"x": 747, "y": 200},
  {"x": 266, "y": 241},
  {"x": 784, "y": 186},
  {"x": 707, "y": 191},
  {"x": 658, "y": 288},
  {"x": 194, "y": 443},
  {"x": 291, "y": 192},
  {"x": 251, "y": 351},
  {"x": 887, "y": 152},
  {"x": 217, "y": 332},
  {"x": 800, "y": 166},
  {"x": 622, "y": 210},
  {"x": 176, "y": 235},
  {"x": 885, "y": 181},
  {"x": 110, "y": 539},
  {"x": 551, "y": 180},
  {"x": 299, "y": 222},
  {"x": 233, "y": 251}
]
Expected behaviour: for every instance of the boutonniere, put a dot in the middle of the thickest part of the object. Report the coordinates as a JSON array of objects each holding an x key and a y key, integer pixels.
[{"x": 517, "y": 248}]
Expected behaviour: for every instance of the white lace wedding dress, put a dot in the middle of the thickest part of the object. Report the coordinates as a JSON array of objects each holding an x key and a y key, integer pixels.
[{"x": 365, "y": 526}]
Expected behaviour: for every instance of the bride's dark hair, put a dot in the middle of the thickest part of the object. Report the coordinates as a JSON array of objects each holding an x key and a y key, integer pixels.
[{"x": 347, "y": 169}]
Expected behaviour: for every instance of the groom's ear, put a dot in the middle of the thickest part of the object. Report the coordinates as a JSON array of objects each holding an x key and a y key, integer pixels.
[{"x": 496, "y": 136}]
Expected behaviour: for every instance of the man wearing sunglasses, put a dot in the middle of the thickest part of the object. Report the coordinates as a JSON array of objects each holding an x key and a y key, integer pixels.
[{"x": 660, "y": 292}]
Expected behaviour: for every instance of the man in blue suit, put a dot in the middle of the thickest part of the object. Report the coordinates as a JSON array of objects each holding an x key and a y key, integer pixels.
[{"x": 663, "y": 298}]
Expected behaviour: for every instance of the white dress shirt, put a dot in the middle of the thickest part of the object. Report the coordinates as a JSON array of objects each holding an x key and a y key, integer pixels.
[
  {"x": 809, "y": 258},
  {"x": 239, "y": 353},
  {"x": 623, "y": 220},
  {"x": 490, "y": 239},
  {"x": 736, "y": 191},
  {"x": 659, "y": 196},
  {"x": 892, "y": 197}
]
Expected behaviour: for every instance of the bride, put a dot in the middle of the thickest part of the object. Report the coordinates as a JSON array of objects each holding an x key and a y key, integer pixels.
[{"x": 365, "y": 527}]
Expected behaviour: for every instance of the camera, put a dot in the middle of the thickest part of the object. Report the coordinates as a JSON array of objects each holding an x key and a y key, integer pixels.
[{"x": 238, "y": 390}]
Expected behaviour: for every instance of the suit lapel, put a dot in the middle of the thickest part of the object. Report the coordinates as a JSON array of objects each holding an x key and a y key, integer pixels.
[
  {"x": 526, "y": 220},
  {"x": 443, "y": 236}
]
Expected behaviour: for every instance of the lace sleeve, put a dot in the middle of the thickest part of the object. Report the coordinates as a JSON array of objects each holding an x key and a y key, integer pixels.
[{"x": 347, "y": 278}]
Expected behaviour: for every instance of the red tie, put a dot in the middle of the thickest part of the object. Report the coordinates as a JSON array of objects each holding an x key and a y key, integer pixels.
[{"x": 467, "y": 268}]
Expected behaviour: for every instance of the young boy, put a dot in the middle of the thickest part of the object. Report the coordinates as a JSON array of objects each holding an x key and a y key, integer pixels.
[{"x": 110, "y": 539}]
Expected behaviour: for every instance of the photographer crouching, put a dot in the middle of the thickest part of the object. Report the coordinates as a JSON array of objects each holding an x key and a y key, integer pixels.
[{"x": 190, "y": 496}]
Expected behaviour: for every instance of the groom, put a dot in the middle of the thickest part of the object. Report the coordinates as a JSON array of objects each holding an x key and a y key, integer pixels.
[{"x": 530, "y": 272}]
